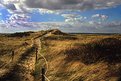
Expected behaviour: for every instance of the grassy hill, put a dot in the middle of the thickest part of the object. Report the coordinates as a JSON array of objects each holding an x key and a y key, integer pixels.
[{"x": 65, "y": 57}]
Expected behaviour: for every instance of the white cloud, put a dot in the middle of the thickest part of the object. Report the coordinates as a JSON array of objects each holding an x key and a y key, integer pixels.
[
  {"x": 18, "y": 12},
  {"x": 17, "y": 20},
  {"x": 100, "y": 16},
  {"x": 10, "y": 1},
  {"x": 73, "y": 18},
  {"x": 46, "y": 11},
  {"x": 86, "y": 27},
  {"x": 95, "y": 15}
]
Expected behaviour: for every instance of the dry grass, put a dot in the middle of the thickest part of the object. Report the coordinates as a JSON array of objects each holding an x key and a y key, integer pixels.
[
  {"x": 79, "y": 57},
  {"x": 20, "y": 44},
  {"x": 84, "y": 59},
  {"x": 107, "y": 49}
]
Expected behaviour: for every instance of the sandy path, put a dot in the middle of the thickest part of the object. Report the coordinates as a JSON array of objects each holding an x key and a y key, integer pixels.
[
  {"x": 23, "y": 69},
  {"x": 43, "y": 63}
]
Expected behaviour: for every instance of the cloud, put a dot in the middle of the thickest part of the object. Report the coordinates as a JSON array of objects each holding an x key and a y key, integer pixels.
[
  {"x": 46, "y": 11},
  {"x": 73, "y": 22},
  {"x": 73, "y": 18},
  {"x": 86, "y": 27},
  {"x": 71, "y": 4},
  {"x": 100, "y": 16},
  {"x": 69, "y": 15},
  {"x": 15, "y": 6},
  {"x": 11, "y": 6},
  {"x": 18, "y": 13},
  {"x": 16, "y": 20},
  {"x": 65, "y": 4}
]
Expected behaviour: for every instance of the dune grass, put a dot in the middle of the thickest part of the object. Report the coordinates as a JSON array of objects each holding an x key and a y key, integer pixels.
[
  {"x": 19, "y": 43},
  {"x": 77, "y": 57},
  {"x": 87, "y": 58}
]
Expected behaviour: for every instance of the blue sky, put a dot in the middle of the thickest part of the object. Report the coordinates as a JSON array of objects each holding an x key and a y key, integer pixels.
[
  {"x": 4, "y": 14},
  {"x": 114, "y": 14},
  {"x": 37, "y": 17},
  {"x": 100, "y": 16}
]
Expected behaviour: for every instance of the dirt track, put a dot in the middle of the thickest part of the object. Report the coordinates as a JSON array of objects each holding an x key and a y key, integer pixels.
[{"x": 24, "y": 67}]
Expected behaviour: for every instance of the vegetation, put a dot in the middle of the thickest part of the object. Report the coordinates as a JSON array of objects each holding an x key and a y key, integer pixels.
[
  {"x": 66, "y": 57},
  {"x": 23, "y": 46},
  {"x": 107, "y": 49},
  {"x": 86, "y": 58}
]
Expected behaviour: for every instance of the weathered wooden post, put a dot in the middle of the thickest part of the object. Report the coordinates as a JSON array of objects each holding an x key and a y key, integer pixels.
[
  {"x": 43, "y": 74},
  {"x": 13, "y": 55},
  {"x": 36, "y": 54}
]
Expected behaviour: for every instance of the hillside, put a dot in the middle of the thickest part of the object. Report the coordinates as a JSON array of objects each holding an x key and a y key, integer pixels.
[
  {"x": 65, "y": 57},
  {"x": 83, "y": 57}
]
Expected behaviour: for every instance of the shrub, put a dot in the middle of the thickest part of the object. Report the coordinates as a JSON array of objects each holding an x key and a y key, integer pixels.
[{"x": 108, "y": 49}]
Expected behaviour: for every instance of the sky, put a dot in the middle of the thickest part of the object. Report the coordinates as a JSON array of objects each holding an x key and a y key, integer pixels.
[{"x": 74, "y": 16}]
